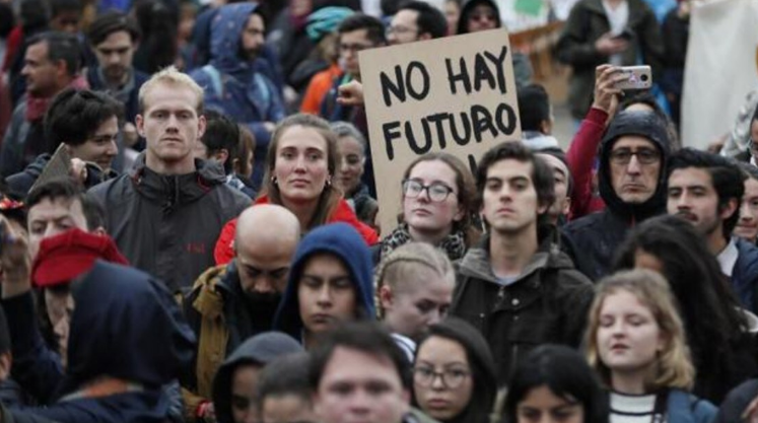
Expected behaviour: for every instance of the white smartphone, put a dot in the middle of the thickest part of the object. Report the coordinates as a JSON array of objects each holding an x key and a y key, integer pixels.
[{"x": 638, "y": 78}]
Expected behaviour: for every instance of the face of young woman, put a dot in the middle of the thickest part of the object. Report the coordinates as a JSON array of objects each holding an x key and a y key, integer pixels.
[
  {"x": 628, "y": 336},
  {"x": 541, "y": 405},
  {"x": 301, "y": 168},
  {"x": 422, "y": 301},
  {"x": 442, "y": 378},
  {"x": 425, "y": 214}
]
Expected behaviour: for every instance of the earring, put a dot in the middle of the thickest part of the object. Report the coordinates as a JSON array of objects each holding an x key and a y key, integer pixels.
[
  {"x": 274, "y": 180},
  {"x": 328, "y": 183}
]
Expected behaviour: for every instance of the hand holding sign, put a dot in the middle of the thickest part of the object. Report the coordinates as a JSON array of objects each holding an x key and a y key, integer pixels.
[{"x": 455, "y": 94}]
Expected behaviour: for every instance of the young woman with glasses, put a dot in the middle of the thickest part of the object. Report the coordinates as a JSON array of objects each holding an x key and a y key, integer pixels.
[
  {"x": 438, "y": 205},
  {"x": 454, "y": 374}
]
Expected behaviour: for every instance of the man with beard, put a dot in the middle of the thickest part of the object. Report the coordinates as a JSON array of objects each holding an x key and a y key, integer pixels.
[
  {"x": 114, "y": 37},
  {"x": 231, "y": 82},
  {"x": 706, "y": 190},
  {"x": 233, "y": 302}
]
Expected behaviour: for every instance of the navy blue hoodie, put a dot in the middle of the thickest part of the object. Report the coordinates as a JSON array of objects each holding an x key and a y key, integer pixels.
[
  {"x": 126, "y": 325},
  {"x": 344, "y": 242}
]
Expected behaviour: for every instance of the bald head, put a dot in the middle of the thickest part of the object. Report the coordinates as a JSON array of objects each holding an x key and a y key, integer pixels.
[
  {"x": 266, "y": 238},
  {"x": 267, "y": 223}
]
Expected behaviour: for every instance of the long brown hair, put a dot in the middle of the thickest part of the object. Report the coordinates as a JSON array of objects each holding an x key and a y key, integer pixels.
[
  {"x": 330, "y": 196},
  {"x": 464, "y": 183}
]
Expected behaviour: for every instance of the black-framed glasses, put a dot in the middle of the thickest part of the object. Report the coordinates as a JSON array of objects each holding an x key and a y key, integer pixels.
[
  {"x": 645, "y": 156},
  {"x": 452, "y": 378},
  {"x": 437, "y": 191}
]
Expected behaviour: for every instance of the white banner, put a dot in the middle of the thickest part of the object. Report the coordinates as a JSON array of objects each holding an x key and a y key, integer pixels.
[{"x": 721, "y": 68}]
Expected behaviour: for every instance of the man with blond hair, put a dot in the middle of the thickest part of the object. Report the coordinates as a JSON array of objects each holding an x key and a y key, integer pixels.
[{"x": 165, "y": 214}]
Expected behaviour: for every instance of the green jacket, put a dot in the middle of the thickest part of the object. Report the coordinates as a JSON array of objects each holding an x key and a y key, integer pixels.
[{"x": 576, "y": 47}]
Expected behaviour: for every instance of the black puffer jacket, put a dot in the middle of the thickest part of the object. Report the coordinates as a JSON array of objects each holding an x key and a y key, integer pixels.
[
  {"x": 168, "y": 225},
  {"x": 592, "y": 240},
  {"x": 547, "y": 304}
]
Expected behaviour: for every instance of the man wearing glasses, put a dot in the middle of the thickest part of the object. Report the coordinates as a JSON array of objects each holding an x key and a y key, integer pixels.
[
  {"x": 230, "y": 303},
  {"x": 632, "y": 182},
  {"x": 416, "y": 21},
  {"x": 516, "y": 286}
]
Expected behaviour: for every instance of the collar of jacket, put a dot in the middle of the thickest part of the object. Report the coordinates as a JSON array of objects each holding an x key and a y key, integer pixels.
[
  {"x": 212, "y": 285},
  {"x": 176, "y": 190},
  {"x": 476, "y": 263},
  {"x": 636, "y": 9}
]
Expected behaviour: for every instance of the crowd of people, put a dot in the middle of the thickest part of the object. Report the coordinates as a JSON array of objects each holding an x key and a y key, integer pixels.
[{"x": 189, "y": 228}]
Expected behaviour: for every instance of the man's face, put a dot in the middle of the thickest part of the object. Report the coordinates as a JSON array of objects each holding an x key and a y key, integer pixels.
[
  {"x": 41, "y": 74},
  {"x": 326, "y": 294},
  {"x": 114, "y": 55},
  {"x": 253, "y": 36},
  {"x": 691, "y": 195},
  {"x": 635, "y": 166},
  {"x": 360, "y": 387},
  {"x": 510, "y": 199},
  {"x": 51, "y": 217},
  {"x": 350, "y": 44},
  {"x": 170, "y": 123},
  {"x": 66, "y": 21},
  {"x": 100, "y": 148},
  {"x": 560, "y": 179},
  {"x": 403, "y": 28},
  {"x": 263, "y": 267}
]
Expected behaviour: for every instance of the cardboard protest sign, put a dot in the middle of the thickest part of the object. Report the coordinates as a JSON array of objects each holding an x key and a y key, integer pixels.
[
  {"x": 455, "y": 94},
  {"x": 58, "y": 167}
]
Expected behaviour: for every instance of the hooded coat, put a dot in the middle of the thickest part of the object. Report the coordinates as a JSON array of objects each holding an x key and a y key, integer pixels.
[
  {"x": 547, "y": 303},
  {"x": 234, "y": 86},
  {"x": 258, "y": 350},
  {"x": 167, "y": 225},
  {"x": 592, "y": 240},
  {"x": 522, "y": 68},
  {"x": 114, "y": 374},
  {"x": 344, "y": 242}
]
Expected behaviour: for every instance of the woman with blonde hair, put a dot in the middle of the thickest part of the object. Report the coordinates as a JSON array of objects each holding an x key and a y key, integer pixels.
[
  {"x": 636, "y": 342},
  {"x": 414, "y": 288}
]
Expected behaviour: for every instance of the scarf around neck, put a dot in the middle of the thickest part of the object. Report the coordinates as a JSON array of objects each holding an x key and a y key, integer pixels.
[{"x": 453, "y": 245}]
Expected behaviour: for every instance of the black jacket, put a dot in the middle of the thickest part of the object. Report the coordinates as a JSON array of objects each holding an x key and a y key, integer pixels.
[
  {"x": 168, "y": 225},
  {"x": 745, "y": 275},
  {"x": 547, "y": 304}
]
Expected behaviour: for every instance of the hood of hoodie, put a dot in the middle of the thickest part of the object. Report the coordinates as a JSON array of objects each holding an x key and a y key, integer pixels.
[
  {"x": 344, "y": 242},
  {"x": 469, "y": 6},
  {"x": 176, "y": 190},
  {"x": 120, "y": 314},
  {"x": 652, "y": 127},
  {"x": 226, "y": 30},
  {"x": 258, "y": 350}
]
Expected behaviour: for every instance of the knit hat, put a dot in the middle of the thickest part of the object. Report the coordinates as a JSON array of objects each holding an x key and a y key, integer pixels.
[
  {"x": 325, "y": 21},
  {"x": 70, "y": 254}
]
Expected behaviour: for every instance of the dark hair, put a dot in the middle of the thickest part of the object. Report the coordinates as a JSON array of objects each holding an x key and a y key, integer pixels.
[
  {"x": 7, "y": 19},
  {"x": 158, "y": 23},
  {"x": 368, "y": 337},
  {"x": 374, "y": 27},
  {"x": 566, "y": 373},
  {"x": 221, "y": 133},
  {"x": 245, "y": 146},
  {"x": 542, "y": 175},
  {"x": 5, "y": 335},
  {"x": 67, "y": 189},
  {"x": 61, "y": 46},
  {"x": 480, "y": 361},
  {"x": 34, "y": 15},
  {"x": 109, "y": 23},
  {"x": 727, "y": 179},
  {"x": 700, "y": 288},
  {"x": 748, "y": 170},
  {"x": 287, "y": 375},
  {"x": 464, "y": 184},
  {"x": 59, "y": 6},
  {"x": 430, "y": 20},
  {"x": 533, "y": 107},
  {"x": 74, "y": 116}
]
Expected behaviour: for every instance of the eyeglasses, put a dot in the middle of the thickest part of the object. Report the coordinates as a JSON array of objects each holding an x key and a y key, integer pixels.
[
  {"x": 437, "y": 191},
  {"x": 645, "y": 156},
  {"x": 452, "y": 378}
]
